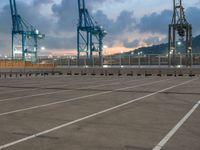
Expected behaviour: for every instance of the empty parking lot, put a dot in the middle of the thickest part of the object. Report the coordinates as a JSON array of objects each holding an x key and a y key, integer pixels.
[{"x": 100, "y": 113}]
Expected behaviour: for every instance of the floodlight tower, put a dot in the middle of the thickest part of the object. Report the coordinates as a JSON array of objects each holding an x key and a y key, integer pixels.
[
  {"x": 179, "y": 27},
  {"x": 24, "y": 37},
  {"x": 89, "y": 34}
]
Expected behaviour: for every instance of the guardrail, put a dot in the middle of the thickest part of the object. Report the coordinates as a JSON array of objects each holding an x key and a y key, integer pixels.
[{"x": 122, "y": 60}]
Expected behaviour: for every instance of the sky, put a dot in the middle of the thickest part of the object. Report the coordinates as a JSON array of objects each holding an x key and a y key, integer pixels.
[{"x": 130, "y": 23}]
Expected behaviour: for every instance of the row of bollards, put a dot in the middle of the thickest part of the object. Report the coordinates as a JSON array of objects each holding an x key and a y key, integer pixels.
[{"x": 26, "y": 75}]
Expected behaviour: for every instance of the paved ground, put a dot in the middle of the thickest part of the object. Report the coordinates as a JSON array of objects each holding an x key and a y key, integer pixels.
[{"x": 100, "y": 113}]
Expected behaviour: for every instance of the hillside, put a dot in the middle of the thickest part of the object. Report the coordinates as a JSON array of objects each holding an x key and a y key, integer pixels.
[{"x": 163, "y": 48}]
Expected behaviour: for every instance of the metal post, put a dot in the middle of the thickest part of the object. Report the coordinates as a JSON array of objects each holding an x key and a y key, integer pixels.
[
  {"x": 129, "y": 60},
  {"x": 169, "y": 45},
  {"x": 120, "y": 60},
  {"x": 13, "y": 45},
  {"x": 102, "y": 60},
  {"x": 93, "y": 62},
  {"x": 149, "y": 61},
  {"x": 78, "y": 46},
  {"x": 91, "y": 43},
  {"x": 159, "y": 60},
  {"x": 87, "y": 46},
  {"x": 170, "y": 60},
  {"x": 59, "y": 61},
  {"x": 23, "y": 46},
  {"x": 188, "y": 54},
  {"x": 139, "y": 62},
  {"x": 180, "y": 60},
  {"x": 85, "y": 63},
  {"x": 68, "y": 62},
  {"x": 192, "y": 59},
  {"x": 110, "y": 60}
]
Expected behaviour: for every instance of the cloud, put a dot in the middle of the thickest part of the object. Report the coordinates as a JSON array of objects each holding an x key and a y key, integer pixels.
[
  {"x": 155, "y": 22},
  {"x": 27, "y": 12},
  {"x": 131, "y": 44},
  {"x": 124, "y": 23},
  {"x": 158, "y": 22},
  {"x": 67, "y": 15},
  {"x": 60, "y": 24},
  {"x": 192, "y": 14}
]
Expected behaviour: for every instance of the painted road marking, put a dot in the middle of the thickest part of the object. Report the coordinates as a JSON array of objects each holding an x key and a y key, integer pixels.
[
  {"x": 73, "y": 99},
  {"x": 164, "y": 141},
  {"x": 35, "y": 88},
  {"x": 88, "y": 117},
  {"x": 56, "y": 92},
  {"x": 8, "y": 92}
]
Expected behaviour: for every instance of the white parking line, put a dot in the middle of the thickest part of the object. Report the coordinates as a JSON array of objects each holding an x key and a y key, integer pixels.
[
  {"x": 50, "y": 86},
  {"x": 88, "y": 117},
  {"x": 74, "y": 99},
  {"x": 9, "y": 92},
  {"x": 164, "y": 141},
  {"x": 56, "y": 92}
]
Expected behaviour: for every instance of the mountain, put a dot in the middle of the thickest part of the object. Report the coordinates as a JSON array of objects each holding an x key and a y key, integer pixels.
[{"x": 163, "y": 48}]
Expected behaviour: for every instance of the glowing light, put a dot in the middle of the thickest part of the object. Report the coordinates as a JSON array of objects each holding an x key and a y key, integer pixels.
[
  {"x": 36, "y": 31},
  {"x": 43, "y": 48},
  {"x": 105, "y": 46},
  {"x": 179, "y": 43},
  {"x": 171, "y": 52},
  {"x": 105, "y": 66}
]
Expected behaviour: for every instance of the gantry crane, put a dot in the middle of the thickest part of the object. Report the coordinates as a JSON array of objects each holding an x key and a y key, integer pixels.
[
  {"x": 89, "y": 34},
  {"x": 24, "y": 37},
  {"x": 179, "y": 27}
]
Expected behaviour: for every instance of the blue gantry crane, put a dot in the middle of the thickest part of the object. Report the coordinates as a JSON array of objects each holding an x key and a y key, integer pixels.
[
  {"x": 24, "y": 37},
  {"x": 89, "y": 34}
]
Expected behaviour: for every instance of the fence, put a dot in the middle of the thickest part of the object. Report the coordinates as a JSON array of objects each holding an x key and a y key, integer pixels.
[{"x": 121, "y": 61}]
